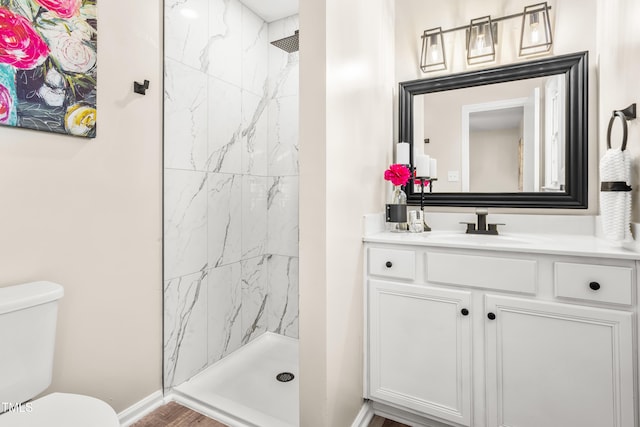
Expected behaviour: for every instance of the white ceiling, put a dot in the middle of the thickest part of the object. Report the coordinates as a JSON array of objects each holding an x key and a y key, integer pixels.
[
  {"x": 272, "y": 10},
  {"x": 505, "y": 118}
]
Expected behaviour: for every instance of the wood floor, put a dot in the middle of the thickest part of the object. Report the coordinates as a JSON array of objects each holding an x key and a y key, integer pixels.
[
  {"x": 381, "y": 422},
  {"x": 175, "y": 415}
]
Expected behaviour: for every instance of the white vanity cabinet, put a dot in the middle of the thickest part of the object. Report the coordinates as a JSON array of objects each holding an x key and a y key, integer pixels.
[
  {"x": 551, "y": 364},
  {"x": 500, "y": 338},
  {"x": 420, "y": 348}
]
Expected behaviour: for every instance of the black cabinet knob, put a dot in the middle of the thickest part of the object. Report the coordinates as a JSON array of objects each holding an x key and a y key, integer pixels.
[
  {"x": 389, "y": 264},
  {"x": 491, "y": 316},
  {"x": 594, "y": 285},
  {"x": 464, "y": 312}
]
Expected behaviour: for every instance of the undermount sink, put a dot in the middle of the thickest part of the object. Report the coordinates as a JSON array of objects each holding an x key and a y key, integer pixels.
[{"x": 480, "y": 239}]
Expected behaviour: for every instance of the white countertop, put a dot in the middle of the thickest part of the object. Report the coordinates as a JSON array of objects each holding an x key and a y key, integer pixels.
[{"x": 558, "y": 244}]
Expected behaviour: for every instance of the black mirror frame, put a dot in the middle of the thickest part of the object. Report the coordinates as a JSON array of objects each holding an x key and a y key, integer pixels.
[{"x": 575, "y": 67}]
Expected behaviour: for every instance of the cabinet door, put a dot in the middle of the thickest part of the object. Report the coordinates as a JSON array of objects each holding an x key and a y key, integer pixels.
[
  {"x": 558, "y": 365},
  {"x": 420, "y": 349}
]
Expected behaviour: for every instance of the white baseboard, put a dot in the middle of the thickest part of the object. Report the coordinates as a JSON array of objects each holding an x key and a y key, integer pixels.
[
  {"x": 150, "y": 403},
  {"x": 138, "y": 410},
  {"x": 364, "y": 416}
]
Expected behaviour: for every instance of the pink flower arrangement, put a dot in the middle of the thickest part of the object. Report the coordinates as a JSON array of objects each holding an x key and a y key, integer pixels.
[
  {"x": 20, "y": 45},
  {"x": 398, "y": 174},
  {"x": 62, "y": 8}
]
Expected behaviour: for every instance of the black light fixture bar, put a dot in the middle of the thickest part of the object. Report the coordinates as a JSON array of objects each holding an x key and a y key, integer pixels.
[{"x": 502, "y": 18}]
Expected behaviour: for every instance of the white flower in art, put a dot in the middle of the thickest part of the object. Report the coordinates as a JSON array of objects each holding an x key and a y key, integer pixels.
[
  {"x": 49, "y": 25},
  {"x": 53, "y": 91},
  {"x": 51, "y": 96},
  {"x": 73, "y": 55},
  {"x": 54, "y": 79},
  {"x": 69, "y": 41}
]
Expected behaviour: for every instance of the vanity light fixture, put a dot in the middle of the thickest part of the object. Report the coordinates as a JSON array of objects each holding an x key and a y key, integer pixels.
[
  {"x": 432, "y": 57},
  {"x": 535, "y": 36},
  {"x": 481, "y": 38},
  {"x": 481, "y": 45}
]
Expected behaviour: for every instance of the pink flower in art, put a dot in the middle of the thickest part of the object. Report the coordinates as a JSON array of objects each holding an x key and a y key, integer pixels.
[
  {"x": 397, "y": 174},
  {"x": 62, "y": 8},
  {"x": 5, "y": 104},
  {"x": 20, "y": 45}
]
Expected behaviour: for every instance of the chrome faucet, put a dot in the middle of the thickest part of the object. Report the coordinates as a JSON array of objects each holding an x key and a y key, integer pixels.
[{"x": 482, "y": 226}]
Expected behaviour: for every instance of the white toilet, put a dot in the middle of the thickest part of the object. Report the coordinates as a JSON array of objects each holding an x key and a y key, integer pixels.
[{"x": 28, "y": 327}]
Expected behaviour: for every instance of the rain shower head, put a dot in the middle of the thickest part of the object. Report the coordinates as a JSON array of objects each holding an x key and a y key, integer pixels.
[{"x": 288, "y": 44}]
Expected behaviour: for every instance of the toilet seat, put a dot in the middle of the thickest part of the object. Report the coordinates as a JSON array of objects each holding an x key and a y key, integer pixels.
[{"x": 62, "y": 410}]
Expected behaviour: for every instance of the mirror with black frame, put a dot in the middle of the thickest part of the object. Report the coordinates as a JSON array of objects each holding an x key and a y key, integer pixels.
[{"x": 510, "y": 136}]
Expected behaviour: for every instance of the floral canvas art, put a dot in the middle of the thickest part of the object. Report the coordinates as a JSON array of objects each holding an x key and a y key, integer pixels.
[{"x": 48, "y": 67}]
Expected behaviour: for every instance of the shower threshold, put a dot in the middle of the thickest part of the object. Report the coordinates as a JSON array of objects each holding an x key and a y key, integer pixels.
[{"x": 241, "y": 390}]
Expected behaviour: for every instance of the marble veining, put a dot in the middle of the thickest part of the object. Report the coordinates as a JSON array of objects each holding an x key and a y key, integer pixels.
[
  {"x": 225, "y": 127},
  {"x": 224, "y": 311},
  {"x": 231, "y": 183},
  {"x": 282, "y": 216},
  {"x": 254, "y": 52},
  {"x": 186, "y": 116},
  {"x": 185, "y": 206},
  {"x": 223, "y": 58},
  {"x": 185, "y": 341},
  {"x": 254, "y": 297},
  {"x": 254, "y": 216},
  {"x": 225, "y": 220},
  {"x": 254, "y": 133},
  {"x": 188, "y": 34},
  {"x": 283, "y": 295},
  {"x": 282, "y": 145}
]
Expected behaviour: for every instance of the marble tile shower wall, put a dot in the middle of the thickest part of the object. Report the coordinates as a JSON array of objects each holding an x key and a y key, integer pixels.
[{"x": 231, "y": 182}]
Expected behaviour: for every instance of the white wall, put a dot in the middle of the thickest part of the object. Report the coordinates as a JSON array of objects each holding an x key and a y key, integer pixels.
[
  {"x": 573, "y": 24},
  {"x": 494, "y": 160},
  {"x": 346, "y": 97},
  {"x": 87, "y": 214},
  {"x": 619, "y": 62}
]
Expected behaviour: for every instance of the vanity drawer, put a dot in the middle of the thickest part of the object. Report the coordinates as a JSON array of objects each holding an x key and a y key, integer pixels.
[
  {"x": 506, "y": 274},
  {"x": 394, "y": 263},
  {"x": 601, "y": 283}
]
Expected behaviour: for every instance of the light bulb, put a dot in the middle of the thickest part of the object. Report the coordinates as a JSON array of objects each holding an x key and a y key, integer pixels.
[
  {"x": 534, "y": 30},
  {"x": 535, "y": 33},
  {"x": 435, "y": 53},
  {"x": 434, "y": 48}
]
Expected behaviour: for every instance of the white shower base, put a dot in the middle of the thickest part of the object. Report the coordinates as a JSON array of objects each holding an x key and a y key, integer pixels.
[{"x": 241, "y": 390}]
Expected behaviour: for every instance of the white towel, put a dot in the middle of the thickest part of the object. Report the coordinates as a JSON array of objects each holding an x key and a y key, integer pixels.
[{"x": 615, "y": 206}]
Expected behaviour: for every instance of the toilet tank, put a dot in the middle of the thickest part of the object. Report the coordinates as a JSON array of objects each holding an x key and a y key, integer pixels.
[{"x": 28, "y": 315}]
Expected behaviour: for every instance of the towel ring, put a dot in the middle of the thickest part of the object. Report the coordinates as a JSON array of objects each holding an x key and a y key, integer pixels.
[{"x": 624, "y": 129}]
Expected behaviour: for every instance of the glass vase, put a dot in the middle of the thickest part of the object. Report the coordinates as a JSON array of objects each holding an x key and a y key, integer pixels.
[
  {"x": 397, "y": 209},
  {"x": 398, "y": 196}
]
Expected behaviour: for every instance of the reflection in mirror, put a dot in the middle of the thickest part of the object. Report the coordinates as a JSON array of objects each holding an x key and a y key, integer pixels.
[
  {"x": 511, "y": 136},
  {"x": 504, "y": 137}
]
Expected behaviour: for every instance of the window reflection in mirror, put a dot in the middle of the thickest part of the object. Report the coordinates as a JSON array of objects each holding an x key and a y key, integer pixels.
[{"x": 507, "y": 137}]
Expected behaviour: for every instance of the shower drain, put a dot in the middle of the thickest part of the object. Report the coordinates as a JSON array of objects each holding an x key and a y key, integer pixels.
[{"x": 285, "y": 377}]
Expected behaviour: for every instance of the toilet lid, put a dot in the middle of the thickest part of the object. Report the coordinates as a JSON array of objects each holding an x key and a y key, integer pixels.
[{"x": 61, "y": 410}]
